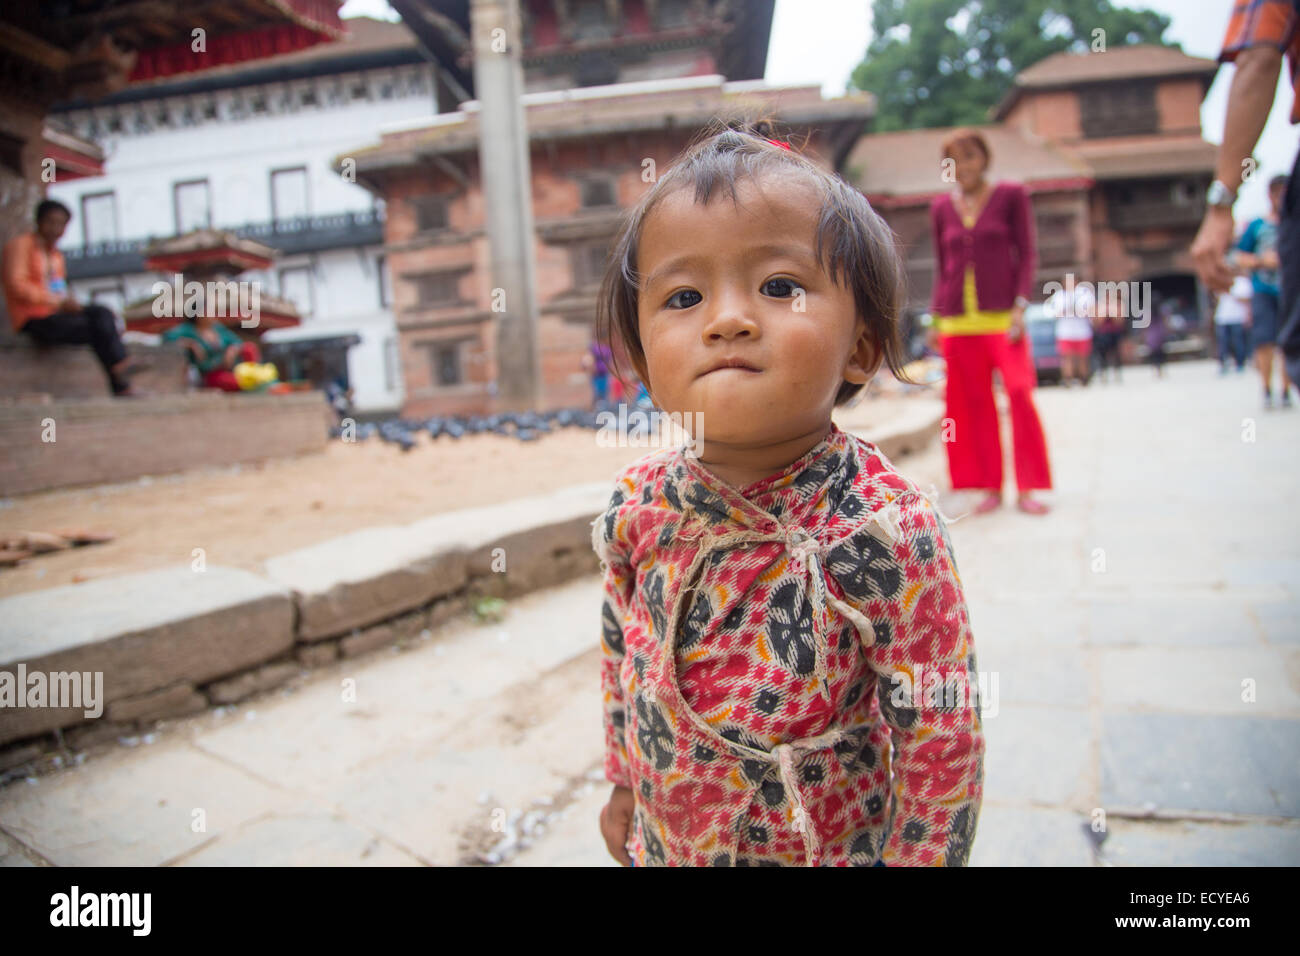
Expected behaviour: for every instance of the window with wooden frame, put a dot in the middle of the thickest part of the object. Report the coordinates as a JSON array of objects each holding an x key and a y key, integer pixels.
[
  {"x": 98, "y": 217},
  {"x": 598, "y": 192},
  {"x": 1118, "y": 109},
  {"x": 192, "y": 200},
  {"x": 431, "y": 212},
  {"x": 289, "y": 194},
  {"x": 296, "y": 285},
  {"x": 437, "y": 289},
  {"x": 447, "y": 361},
  {"x": 1056, "y": 238},
  {"x": 385, "y": 282},
  {"x": 588, "y": 260}
]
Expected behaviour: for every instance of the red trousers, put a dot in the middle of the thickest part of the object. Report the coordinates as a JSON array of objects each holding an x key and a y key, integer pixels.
[
  {"x": 224, "y": 378},
  {"x": 971, "y": 434}
]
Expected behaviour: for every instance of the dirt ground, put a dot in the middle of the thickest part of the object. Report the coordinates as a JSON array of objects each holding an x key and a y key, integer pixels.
[{"x": 241, "y": 516}]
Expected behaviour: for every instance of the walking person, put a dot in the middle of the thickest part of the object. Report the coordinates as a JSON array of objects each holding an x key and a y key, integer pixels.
[
  {"x": 1257, "y": 251},
  {"x": 35, "y": 281},
  {"x": 1156, "y": 337},
  {"x": 1259, "y": 33},
  {"x": 985, "y": 253},
  {"x": 1073, "y": 309},
  {"x": 1230, "y": 316},
  {"x": 1109, "y": 332},
  {"x": 597, "y": 360}
]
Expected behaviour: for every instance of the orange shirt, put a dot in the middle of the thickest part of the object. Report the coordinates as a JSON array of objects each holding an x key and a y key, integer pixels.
[
  {"x": 28, "y": 269},
  {"x": 1274, "y": 23}
]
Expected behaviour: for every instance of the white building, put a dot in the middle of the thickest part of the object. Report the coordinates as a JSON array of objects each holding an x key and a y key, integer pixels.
[{"x": 251, "y": 148}]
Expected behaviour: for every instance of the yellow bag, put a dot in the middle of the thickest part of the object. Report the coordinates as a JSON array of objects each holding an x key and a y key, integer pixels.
[{"x": 254, "y": 375}]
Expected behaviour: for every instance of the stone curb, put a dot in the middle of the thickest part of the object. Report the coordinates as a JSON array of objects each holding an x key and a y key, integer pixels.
[{"x": 172, "y": 642}]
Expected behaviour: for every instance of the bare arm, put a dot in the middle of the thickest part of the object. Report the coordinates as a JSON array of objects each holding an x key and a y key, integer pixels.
[{"x": 1249, "y": 102}]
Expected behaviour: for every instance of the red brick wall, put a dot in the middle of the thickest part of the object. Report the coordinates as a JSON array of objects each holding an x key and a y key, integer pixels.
[{"x": 567, "y": 312}]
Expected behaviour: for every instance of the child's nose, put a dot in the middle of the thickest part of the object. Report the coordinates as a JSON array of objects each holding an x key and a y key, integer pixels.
[{"x": 732, "y": 317}]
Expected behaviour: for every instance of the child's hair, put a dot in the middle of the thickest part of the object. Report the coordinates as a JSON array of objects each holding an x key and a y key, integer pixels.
[{"x": 854, "y": 245}]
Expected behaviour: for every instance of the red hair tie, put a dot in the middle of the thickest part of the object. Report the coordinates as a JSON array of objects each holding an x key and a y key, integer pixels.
[{"x": 777, "y": 142}]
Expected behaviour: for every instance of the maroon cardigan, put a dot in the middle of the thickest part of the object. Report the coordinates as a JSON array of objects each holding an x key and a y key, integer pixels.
[{"x": 1001, "y": 245}]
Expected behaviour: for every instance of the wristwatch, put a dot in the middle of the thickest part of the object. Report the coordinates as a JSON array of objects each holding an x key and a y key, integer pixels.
[{"x": 1220, "y": 195}]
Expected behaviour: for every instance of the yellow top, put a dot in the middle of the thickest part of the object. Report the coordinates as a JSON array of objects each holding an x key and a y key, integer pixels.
[{"x": 974, "y": 321}]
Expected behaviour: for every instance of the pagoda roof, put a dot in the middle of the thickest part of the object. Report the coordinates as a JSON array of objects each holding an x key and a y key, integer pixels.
[
  {"x": 1068, "y": 70},
  {"x": 744, "y": 30},
  {"x": 92, "y": 49},
  {"x": 692, "y": 102},
  {"x": 207, "y": 250}
]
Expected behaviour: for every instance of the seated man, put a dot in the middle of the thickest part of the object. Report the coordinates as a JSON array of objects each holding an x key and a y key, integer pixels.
[{"x": 36, "y": 291}]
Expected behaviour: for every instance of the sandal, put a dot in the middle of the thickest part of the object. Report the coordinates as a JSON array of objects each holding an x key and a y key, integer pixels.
[
  {"x": 990, "y": 503},
  {"x": 1032, "y": 506}
]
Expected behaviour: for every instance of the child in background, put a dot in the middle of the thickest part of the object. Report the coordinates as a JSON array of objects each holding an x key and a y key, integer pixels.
[
  {"x": 1231, "y": 314},
  {"x": 1109, "y": 334},
  {"x": 1156, "y": 335},
  {"x": 788, "y": 669}
]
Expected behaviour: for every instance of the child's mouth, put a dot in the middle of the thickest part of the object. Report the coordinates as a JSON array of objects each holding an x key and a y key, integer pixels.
[{"x": 729, "y": 365}]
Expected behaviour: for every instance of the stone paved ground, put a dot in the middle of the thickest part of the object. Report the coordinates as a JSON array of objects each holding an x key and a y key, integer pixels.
[{"x": 1145, "y": 639}]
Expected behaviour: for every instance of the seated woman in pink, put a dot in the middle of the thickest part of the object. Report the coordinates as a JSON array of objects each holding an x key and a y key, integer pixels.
[{"x": 214, "y": 350}]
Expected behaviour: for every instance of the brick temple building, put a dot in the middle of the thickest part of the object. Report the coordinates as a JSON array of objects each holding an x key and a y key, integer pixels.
[
  {"x": 1109, "y": 146},
  {"x": 614, "y": 90}
]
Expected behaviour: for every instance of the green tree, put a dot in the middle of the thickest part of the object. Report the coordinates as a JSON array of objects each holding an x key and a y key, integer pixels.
[{"x": 946, "y": 62}]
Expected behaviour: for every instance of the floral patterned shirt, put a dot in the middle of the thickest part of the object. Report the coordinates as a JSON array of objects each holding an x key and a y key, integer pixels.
[{"x": 789, "y": 673}]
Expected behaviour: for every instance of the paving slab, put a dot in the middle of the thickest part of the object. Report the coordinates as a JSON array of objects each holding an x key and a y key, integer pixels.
[
  {"x": 1279, "y": 620},
  {"x": 1042, "y": 676},
  {"x": 135, "y": 808},
  {"x": 1030, "y": 836},
  {"x": 1212, "y": 764},
  {"x": 1181, "y": 621},
  {"x": 1038, "y": 756},
  {"x": 368, "y": 710},
  {"x": 300, "y": 839},
  {"x": 574, "y": 838},
  {"x": 1200, "y": 680},
  {"x": 1187, "y": 843}
]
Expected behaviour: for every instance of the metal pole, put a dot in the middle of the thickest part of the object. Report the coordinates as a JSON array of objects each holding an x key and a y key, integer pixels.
[{"x": 506, "y": 176}]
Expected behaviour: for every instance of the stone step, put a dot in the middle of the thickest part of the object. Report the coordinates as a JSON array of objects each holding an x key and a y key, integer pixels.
[
  {"x": 72, "y": 372},
  {"x": 60, "y": 444}
]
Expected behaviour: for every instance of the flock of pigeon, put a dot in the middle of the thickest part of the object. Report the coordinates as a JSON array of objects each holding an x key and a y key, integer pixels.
[{"x": 525, "y": 426}]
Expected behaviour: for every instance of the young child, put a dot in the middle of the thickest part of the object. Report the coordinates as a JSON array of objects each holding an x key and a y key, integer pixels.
[{"x": 775, "y": 607}]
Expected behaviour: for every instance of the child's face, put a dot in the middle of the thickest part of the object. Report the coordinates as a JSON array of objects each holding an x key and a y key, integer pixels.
[{"x": 741, "y": 281}]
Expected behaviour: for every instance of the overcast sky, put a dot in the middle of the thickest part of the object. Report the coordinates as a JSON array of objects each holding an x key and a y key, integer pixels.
[{"x": 820, "y": 41}]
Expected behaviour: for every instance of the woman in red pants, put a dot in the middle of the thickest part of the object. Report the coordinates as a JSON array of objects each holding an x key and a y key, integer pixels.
[{"x": 985, "y": 260}]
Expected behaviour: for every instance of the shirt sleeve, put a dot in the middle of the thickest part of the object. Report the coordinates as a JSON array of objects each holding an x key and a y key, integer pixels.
[
  {"x": 1262, "y": 23},
  {"x": 1249, "y": 237},
  {"x": 923, "y": 655},
  {"x": 936, "y": 236},
  {"x": 18, "y": 286},
  {"x": 1022, "y": 232},
  {"x": 619, "y": 582}
]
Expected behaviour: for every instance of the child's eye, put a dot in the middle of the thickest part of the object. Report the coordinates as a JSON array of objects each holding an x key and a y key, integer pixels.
[
  {"x": 780, "y": 288},
  {"x": 684, "y": 299}
]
